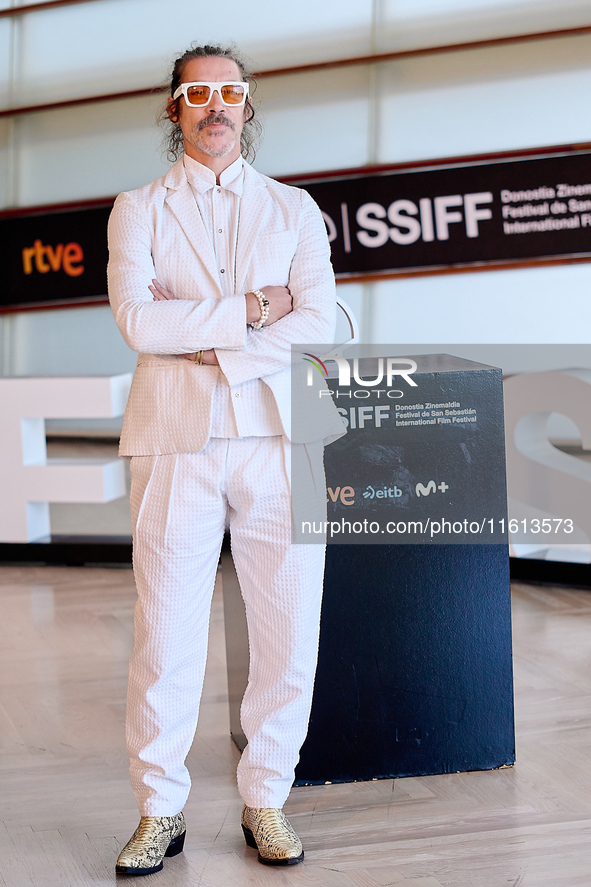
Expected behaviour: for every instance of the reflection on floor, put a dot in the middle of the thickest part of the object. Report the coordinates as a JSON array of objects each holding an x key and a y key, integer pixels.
[{"x": 67, "y": 808}]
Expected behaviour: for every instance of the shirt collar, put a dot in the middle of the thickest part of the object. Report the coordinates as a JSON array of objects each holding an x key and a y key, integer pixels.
[{"x": 202, "y": 178}]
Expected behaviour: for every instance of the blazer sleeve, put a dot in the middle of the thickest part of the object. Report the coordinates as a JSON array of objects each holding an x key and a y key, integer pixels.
[
  {"x": 313, "y": 319},
  {"x": 177, "y": 326}
]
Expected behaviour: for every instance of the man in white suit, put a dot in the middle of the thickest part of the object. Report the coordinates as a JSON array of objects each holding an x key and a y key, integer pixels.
[{"x": 214, "y": 272}]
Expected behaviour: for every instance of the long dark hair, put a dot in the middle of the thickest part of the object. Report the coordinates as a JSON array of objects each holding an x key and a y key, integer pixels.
[{"x": 251, "y": 132}]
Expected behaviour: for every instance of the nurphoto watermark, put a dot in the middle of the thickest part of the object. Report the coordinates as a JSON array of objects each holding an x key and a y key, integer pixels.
[{"x": 429, "y": 445}]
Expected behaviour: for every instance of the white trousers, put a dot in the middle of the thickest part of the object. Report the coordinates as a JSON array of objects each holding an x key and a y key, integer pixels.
[{"x": 179, "y": 505}]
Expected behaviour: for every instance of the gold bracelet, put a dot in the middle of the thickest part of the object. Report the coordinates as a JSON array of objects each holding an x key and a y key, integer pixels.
[{"x": 199, "y": 358}]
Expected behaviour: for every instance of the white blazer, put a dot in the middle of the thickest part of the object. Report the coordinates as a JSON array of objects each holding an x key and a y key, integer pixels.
[{"x": 157, "y": 232}]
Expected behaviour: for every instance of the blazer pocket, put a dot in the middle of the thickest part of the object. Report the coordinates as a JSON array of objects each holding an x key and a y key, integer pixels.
[
  {"x": 271, "y": 259},
  {"x": 156, "y": 360},
  {"x": 276, "y": 241},
  {"x": 285, "y": 234}
]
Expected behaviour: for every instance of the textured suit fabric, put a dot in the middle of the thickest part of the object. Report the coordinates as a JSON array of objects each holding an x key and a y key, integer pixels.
[
  {"x": 255, "y": 411},
  {"x": 175, "y": 560},
  {"x": 184, "y": 481},
  {"x": 157, "y": 232}
]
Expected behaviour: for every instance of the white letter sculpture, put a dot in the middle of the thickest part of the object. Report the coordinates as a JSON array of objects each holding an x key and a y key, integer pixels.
[
  {"x": 543, "y": 482},
  {"x": 28, "y": 480}
]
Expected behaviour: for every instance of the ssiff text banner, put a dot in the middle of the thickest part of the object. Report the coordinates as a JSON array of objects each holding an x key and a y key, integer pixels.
[{"x": 474, "y": 214}]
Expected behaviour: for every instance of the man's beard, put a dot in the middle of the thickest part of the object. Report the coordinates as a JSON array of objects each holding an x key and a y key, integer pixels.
[{"x": 206, "y": 146}]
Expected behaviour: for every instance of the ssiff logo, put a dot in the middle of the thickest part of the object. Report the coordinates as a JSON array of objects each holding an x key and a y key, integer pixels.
[{"x": 390, "y": 367}]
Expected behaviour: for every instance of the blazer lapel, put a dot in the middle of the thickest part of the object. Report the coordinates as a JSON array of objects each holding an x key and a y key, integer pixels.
[
  {"x": 255, "y": 207},
  {"x": 181, "y": 202}
]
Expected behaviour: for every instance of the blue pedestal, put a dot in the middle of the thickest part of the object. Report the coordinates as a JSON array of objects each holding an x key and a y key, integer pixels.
[
  {"x": 414, "y": 673},
  {"x": 415, "y": 668}
]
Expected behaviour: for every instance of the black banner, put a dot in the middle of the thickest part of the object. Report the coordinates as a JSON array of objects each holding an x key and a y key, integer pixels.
[
  {"x": 484, "y": 213},
  {"x": 404, "y": 221},
  {"x": 57, "y": 257}
]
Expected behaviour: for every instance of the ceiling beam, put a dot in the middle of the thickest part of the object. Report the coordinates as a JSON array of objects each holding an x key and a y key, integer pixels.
[{"x": 296, "y": 69}]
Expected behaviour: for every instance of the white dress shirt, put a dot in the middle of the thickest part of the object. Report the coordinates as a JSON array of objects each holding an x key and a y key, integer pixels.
[{"x": 247, "y": 409}]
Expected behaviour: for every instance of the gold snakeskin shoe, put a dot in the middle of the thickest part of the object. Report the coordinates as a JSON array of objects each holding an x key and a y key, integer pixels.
[
  {"x": 268, "y": 831},
  {"x": 154, "y": 838}
]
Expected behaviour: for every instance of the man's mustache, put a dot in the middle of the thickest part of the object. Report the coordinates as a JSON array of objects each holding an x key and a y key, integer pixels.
[{"x": 215, "y": 118}]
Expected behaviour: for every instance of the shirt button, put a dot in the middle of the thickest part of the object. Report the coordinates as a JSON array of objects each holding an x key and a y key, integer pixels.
[
  {"x": 237, "y": 394},
  {"x": 222, "y": 270},
  {"x": 219, "y": 230},
  {"x": 219, "y": 190}
]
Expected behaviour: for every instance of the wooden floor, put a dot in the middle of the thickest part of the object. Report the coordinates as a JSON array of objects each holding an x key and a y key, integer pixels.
[{"x": 66, "y": 806}]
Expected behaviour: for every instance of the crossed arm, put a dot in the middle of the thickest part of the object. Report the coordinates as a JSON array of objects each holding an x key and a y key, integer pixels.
[
  {"x": 187, "y": 325},
  {"x": 280, "y": 304}
]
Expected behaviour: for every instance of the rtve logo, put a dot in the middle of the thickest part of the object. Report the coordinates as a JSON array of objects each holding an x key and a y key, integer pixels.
[{"x": 48, "y": 258}]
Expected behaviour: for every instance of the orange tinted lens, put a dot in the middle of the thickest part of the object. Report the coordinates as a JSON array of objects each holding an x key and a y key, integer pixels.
[
  {"x": 198, "y": 95},
  {"x": 233, "y": 93}
]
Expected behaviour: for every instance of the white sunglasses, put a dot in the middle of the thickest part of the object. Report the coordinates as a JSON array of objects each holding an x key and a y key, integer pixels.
[{"x": 198, "y": 93}]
